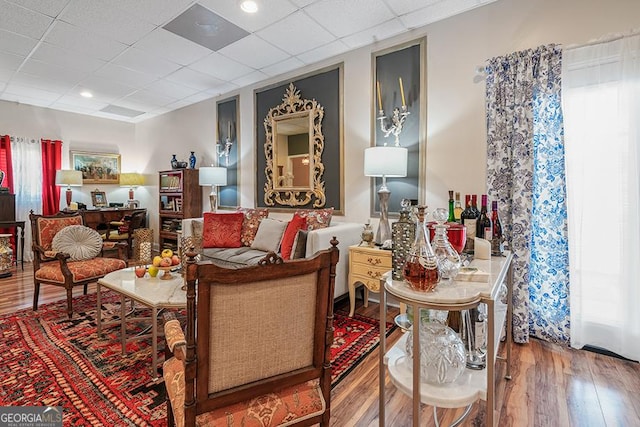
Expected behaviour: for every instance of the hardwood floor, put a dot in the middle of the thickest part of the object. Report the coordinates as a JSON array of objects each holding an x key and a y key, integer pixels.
[{"x": 552, "y": 385}]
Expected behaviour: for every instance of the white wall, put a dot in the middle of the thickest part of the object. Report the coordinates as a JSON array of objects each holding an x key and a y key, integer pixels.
[{"x": 455, "y": 104}]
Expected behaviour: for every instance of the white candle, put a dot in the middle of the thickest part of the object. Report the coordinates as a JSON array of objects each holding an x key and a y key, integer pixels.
[
  {"x": 402, "y": 91},
  {"x": 379, "y": 96},
  {"x": 229, "y": 130}
]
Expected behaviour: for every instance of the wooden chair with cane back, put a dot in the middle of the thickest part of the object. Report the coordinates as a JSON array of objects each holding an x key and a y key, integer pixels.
[{"x": 257, "y": 344}]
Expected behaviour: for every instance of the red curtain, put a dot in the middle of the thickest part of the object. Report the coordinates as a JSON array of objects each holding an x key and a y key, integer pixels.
[
  {"x": 51, "y": 162},
  {"x": 5, "y": 161}
]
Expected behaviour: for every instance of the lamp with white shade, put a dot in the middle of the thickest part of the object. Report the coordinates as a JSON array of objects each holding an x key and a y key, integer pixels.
[
  {"x": 213, "y": 176},
  {"x": 70, "y": 178},
  {"x": 385, "y": 162},
  {"x": 131, "y": 180}
]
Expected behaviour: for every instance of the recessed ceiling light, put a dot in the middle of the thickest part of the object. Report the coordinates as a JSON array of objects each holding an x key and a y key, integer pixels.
[
  {"x": 249, "y": 6},
  {"x": 86, "y": 94}
]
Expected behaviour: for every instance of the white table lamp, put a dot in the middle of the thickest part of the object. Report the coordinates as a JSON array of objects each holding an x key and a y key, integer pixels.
[
  {"x": 213, "y": 176},
  {"x": 385, "y": 162},
  {"x": 70, "y": 178}
]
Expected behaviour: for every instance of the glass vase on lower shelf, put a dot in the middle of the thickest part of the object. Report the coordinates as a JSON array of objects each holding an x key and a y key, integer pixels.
[{"x": 442, "y": 353}]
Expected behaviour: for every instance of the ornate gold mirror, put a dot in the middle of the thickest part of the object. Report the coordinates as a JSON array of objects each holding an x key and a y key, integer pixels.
[{"x": 293, "y": 151}]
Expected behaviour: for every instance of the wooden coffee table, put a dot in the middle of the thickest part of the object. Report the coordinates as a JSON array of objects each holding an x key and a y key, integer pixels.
[{"x": 149, "y": 291}]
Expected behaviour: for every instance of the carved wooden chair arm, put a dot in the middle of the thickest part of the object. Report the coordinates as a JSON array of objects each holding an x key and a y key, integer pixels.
[{"x": 174, "y": 336}]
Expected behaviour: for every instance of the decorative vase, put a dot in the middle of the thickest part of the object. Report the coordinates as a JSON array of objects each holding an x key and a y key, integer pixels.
[
  {"x": 367, "y": 235},
  {"x": 174, "y": 162},
  {"x": 442, "y": 353},
  {"x": 449, "y": 262},
  {"x": 192, "y": 161},
  {"x": 402, "y": 236},
  {"x": 421, "y": 266}
]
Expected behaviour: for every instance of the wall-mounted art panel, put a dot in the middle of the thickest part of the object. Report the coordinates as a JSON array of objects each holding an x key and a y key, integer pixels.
[
  {"x": 299, "y": 143},
  {"x": 227, "y": 149},
  {"x": 399, "y": 114}
]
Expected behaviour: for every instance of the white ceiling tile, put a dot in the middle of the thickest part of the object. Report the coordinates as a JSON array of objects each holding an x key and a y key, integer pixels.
[
  {"x": 64, "y": 58},
  {"x": 283, "y": 67},
  {"x": 179, "y": 104},
  {"x": 374, "y": 34},
  {"x": 150, "y": 98},
  {"x": 155, "y": 11},
  {"x": 23, "y": 21},
  {"x": 194, "y": 79},
  {"x": 254, "y": 52},
  {"x": 9, "y": 61},
  {"x": 16, "y": 43},
  {"x": 125, "y": 76},
  {"x": 83, "y": 41},
  {"x": 90, "y": 104},
  {"x": 171, "y": 89},
  {"x": 166, "y": 44},
  {"x": 48, "y": 7},
  {"x": 44, "y": 82},
  {"x": 250, "y": 79},
  {"x": 221, "y": 67},
  {"x": 270, "y": 11},
  {"x": 23, "y": 99},
  {"x": 104, "y": 89},
  {"x": 303, "y": 3},
  {"x": 101, "y": 17},
  {"x": 136, "y": 59},
  {"x": 280, "y": 34},
  {"x": 18, "y": 89},
  {"x": 200, "y": 96},
  {"x": 74, "y": 108},
  {"x": 400, "y": 7},
  {"x": 342, "y": 18},
  {"x": 438, "y": 11},
  {"x": 323, "y": 52},
  {"x": 51, "y": 71}
]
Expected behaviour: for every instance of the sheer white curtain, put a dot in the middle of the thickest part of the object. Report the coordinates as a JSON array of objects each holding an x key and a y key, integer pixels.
[
  {"x": 27, "y": 183},
  {"x": 601, "y": 102}
]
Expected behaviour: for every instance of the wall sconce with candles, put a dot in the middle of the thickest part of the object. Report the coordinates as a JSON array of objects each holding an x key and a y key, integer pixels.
[
  {"x": 70, "y": 178},
  {"x": 225, "y": 150},
  {"x": 397, "y": 118}
]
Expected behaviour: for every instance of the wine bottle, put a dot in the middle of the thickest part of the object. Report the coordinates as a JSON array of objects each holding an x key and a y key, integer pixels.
[
  {"x": 468, "y": 218},
  {"x": 452, "y": 217},
  {"x": 457, "y": 209},
  {"x": 483, "y": 224},
  {"x": 474, "y": 205},
  {"x": 496, "y": 235}
]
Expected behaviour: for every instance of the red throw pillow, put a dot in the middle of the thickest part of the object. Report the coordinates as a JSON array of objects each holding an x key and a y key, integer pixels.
[
  {"x": 222, "y": 230},
  {"x": 316, "y": 218},
  {"x": 286, "y": 244}
]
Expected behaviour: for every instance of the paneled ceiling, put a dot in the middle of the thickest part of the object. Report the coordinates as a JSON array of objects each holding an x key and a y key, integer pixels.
[{"x": 128, "y": 55}]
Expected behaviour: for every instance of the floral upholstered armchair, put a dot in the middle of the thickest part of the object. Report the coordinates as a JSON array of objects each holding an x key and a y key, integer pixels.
[
  {"x": 262, "y": 353},
  {"x": 66, "y": 254}
]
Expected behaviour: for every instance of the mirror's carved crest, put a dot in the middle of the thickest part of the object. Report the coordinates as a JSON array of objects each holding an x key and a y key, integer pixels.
[{"x": 293, "y": 105}]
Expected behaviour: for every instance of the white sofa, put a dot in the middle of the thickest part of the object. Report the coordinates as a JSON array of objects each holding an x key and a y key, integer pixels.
[{"x": 346, "y": 233}]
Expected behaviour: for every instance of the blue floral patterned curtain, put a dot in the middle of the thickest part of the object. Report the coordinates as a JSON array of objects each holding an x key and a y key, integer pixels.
[{"x": 525, "y": 174}]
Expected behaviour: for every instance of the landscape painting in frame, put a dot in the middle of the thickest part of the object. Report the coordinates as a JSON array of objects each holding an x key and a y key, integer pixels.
[{"x": 97, "y": 168}]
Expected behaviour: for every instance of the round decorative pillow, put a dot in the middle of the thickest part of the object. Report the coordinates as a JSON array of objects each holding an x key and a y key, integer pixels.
[{"x": 78, "y": 241}]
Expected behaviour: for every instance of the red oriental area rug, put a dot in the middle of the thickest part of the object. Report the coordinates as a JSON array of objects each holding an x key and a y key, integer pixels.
[{"x": 48, "y": 359}]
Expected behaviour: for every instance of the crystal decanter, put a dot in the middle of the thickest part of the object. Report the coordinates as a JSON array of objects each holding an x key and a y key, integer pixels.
[
  {"x": 449, "y": 262},
  {"x": 421, "y": 266}
]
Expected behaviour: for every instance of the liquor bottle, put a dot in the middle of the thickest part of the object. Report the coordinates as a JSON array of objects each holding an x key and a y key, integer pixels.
[
  {"x": 457, "y": 209},
  {"x": 421, "y": 267},
  {"x": 451, "y": 217},
  {"x": 474, "y": 336},
  {"x": 448, "y": 259},
  {"x": 496, "y": 235},
  {"x": 468, "y": 218},
  {"x": 483, "y": 224}
]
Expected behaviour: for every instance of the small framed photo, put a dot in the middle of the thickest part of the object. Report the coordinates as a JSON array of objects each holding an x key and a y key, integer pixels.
[{"x": 99, "y": 199}]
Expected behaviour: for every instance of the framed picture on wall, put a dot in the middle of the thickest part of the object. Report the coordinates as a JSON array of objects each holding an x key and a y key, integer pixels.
[
  {"x": 99, "y": 199},
  {"x": 228, "y": 149},
  {"x": 97, "y": 168},
  {"x": 399, "y": 85}
]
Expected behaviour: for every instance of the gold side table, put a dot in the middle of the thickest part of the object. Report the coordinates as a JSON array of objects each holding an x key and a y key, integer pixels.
[{"x": 366, "y": 265}]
